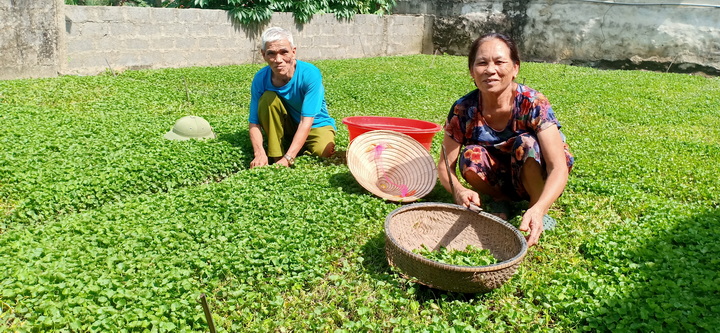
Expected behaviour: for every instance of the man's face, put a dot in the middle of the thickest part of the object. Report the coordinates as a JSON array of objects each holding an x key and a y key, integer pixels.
[{"x": 280, "y": 56}]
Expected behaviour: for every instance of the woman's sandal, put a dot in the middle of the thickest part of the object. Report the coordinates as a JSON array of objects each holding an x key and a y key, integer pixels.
[
  {"x": 549, "y": 223},
  {"x": 499, "y": 207},
  {"x": 506, "y": 208}
]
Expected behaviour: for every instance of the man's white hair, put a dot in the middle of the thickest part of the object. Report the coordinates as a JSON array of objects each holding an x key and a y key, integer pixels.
[{"x": 274, "y": 34}]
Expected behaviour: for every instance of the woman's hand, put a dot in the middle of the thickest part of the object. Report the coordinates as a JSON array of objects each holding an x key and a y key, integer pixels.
[
  {"x": 532, "y": 221},
  {"x": 465, "y": 197},
  {"x": 544, "y": 195}
]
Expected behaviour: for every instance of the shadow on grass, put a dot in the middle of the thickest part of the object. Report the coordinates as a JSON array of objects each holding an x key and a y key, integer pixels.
[
  {"x": 376, "y": 265},
  {"x": 240, "y": 139},
  {"x": 676, "y": 286},
  {"x": 438, "y": 194},
  {"x": 347, "y": 182}
]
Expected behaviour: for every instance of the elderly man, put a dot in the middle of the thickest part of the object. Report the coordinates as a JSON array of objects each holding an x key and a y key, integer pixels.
[{"x": 288, "y": 105}]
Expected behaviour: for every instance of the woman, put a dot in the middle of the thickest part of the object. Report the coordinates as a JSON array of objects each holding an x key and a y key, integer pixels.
[{"x": 507, "y": 137}]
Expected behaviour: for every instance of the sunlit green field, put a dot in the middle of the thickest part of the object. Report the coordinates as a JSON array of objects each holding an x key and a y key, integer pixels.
[{"x": 106, "y": 226}]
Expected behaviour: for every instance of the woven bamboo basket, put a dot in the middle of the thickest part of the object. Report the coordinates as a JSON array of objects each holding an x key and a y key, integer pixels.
[
  {"x": 392, "y": 165},
  {"x": 454, "y": 227}
]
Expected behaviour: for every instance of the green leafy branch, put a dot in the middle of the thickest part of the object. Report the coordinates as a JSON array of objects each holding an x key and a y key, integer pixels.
[{"x": 258, "y": 11}]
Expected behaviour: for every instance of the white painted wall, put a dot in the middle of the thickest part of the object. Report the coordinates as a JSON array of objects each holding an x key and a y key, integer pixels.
[
  {"x": 572, "y": 30},
  {"x": 684, "y": 34},
  {"x": 42, "y": 38}
]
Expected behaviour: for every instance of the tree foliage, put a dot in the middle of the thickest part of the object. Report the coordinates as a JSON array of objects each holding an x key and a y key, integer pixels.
[
  {"x": 138, "y": 3},
  {"x": 258, "y": 11}
]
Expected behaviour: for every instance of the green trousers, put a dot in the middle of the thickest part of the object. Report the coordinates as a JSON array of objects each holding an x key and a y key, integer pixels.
[{"x": 280, "y": 128}]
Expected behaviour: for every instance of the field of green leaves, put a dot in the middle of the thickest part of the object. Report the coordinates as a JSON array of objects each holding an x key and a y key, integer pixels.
[{"x": 106, "y": 226}]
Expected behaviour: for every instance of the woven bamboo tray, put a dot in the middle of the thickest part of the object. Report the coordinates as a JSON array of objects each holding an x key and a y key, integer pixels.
[
  {"x": 454, "y": 227},
  {"x": 392, "y": 165}
]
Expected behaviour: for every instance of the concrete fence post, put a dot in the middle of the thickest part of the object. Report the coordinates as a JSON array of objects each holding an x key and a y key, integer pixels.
[{"x": 30, "y": 38}]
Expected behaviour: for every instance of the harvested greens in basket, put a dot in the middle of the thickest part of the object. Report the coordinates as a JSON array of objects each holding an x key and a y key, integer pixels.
[{"x": 471, "y": 256}]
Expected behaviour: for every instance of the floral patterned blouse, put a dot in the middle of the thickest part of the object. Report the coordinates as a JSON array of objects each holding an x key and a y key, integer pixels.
[{"x": 531, "y": 113}]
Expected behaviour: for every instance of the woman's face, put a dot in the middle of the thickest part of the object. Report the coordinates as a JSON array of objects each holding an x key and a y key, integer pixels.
[{"x": 494, "y": 70}]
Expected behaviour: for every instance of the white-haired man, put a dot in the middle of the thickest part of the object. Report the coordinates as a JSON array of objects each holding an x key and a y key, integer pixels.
[{"x": 288, "y": 105}]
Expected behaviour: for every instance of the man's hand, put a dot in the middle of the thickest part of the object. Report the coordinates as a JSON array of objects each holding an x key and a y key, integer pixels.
[
  {"x": 282, "y": 162},
  {"x": 259, "y": 161},
  {"x": 256, "y": 138}
]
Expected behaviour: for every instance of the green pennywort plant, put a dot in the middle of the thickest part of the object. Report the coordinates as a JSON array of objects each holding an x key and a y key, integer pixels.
[
  {"x": 129, "y": 229},
  {"x": 470, "y": 256}
]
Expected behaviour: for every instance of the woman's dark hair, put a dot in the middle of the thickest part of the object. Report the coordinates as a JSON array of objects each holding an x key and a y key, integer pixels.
[{"x": 514, "y": 54}]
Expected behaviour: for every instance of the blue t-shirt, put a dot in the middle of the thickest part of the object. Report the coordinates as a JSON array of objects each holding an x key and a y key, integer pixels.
[{"x": 303, "y": 96}]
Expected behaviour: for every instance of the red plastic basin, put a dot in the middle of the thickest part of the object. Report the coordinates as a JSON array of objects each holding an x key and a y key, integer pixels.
[{"x": 420, "y": 130}]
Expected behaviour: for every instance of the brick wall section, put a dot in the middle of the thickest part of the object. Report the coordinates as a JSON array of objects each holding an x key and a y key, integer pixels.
[
  {"x": 29, "y": 38},
  {"x": 100, "y": 38}
]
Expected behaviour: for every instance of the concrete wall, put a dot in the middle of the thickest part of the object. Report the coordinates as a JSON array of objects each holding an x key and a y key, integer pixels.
[
  {"x": 30, "y": 38},
  {"x": 680, "y": 35},
  {"x": 101, "y": 38},
  {"x": 44, "y": 38}
]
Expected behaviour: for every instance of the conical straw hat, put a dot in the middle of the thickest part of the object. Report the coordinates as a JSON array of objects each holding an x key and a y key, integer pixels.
[{"x": 392, "y": 165}]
